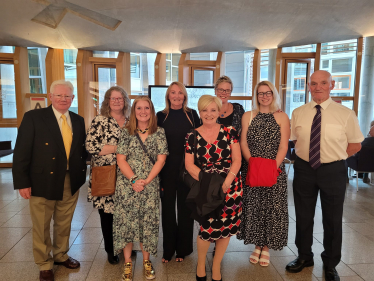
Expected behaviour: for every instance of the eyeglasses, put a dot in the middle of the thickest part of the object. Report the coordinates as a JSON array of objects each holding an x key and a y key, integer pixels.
[
  {"x": 221, "y": 91},
  {"x": 63, "y": 97},
  {"x": 265, "y": 94},
  {"x": 116, "y": 99}
]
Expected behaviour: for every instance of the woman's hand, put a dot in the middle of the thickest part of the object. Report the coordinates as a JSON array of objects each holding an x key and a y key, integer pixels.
[
  {"x": 138, "y": 185},
  {"x": 225, "y": 187}
]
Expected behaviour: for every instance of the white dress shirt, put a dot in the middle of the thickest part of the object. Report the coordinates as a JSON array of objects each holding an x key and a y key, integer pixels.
[{"x": 339, "y": 126}]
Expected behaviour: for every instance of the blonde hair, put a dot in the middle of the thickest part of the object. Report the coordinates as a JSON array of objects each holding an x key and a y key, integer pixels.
[
  {"x": 183, "y": 91},
  {"x": 206, "y": 100},
  {"x": 275, "y": 104},
  {"x": 61, "y": 82},
  {"x": 133, "y": 123},
  {"x": 105, "y": 105},
  {"x": 223, "y": 79}
]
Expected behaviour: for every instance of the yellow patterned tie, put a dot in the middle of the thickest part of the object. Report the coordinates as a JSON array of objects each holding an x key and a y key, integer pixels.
[{"x": 67, "y": 135}]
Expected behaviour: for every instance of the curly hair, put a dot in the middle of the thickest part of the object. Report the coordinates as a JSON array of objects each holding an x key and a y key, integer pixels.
[{"x": 105, "y": 108}]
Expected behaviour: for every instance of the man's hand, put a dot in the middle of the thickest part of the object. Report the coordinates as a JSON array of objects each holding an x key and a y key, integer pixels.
[{"x": 25, "y": 192}]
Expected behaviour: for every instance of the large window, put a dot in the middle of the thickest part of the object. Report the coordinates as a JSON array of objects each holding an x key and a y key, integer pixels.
[
  {"x": 264, "y": 65},
  {"x": 37, "y": 70},
  {"x": 8, "y": 108},
  {"x": 172, "y": 61},
  {"x": 70, "y": 67}
]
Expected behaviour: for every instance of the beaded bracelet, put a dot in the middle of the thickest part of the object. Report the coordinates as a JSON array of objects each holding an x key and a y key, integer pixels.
[{"x": 233, "y": 173}]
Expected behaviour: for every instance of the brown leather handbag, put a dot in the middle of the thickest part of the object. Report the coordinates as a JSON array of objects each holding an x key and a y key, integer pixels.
[{"x": 103, "y": 181}]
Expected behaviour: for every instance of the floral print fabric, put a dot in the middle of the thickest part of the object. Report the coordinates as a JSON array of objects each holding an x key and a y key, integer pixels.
[
  {"x": 137, "y": 214},
  {"x": 103, "y": 131}
]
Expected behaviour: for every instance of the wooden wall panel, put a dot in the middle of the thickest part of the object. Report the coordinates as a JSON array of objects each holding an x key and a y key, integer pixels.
[
  {"x": 123, "y": 71},
  {"x": 184, "y": 75},
  {"x": 317, "y": 60},
  {"x": 256, "y": 68},
  {"x": 85, "y": 86},
  {"x": 160, "y": 69},
  {"x": 22, "y": 82},
  {"x": 360, "y": 42},
  {"x": 278, "y": 72},
  {"x": 54, "y": 67}
]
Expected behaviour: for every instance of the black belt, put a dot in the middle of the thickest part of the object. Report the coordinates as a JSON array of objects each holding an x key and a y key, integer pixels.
[{"x": 322, "y": 164}]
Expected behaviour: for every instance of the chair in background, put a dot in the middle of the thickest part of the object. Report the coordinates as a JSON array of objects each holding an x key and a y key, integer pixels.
[
  {"x": 291, "y": 155},
  {"x": 363, "y": 161}
]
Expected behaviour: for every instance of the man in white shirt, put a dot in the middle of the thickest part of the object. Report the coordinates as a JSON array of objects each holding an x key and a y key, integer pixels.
[
  {"x": 325, "y": 134},
  {"x": 49, "y": 167}
]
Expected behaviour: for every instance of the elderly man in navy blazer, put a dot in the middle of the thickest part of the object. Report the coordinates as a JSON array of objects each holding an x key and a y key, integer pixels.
[{"x": 49, "y": 167}]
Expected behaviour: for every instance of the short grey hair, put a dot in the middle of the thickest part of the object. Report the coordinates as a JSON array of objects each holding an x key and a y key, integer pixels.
[
  {"x": 61, "y": 82},
  {"x": 223, "y": 79}
]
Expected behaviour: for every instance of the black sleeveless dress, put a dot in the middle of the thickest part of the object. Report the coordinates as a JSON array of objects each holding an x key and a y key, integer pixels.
[{"x": 265, "y": 209}]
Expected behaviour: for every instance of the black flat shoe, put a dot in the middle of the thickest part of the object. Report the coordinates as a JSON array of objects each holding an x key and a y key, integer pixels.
[
  {"x": 331, "y": 274},
  {"x": 113, "y": 259},
  {"x": 298, "y": 265}
]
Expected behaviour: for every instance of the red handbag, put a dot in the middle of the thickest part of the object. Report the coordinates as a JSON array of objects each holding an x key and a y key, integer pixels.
[{"x": 262, "y": 172}]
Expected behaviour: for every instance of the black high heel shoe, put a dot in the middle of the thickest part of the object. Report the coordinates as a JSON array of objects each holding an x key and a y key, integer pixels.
[{"x": 200, "y": 278}]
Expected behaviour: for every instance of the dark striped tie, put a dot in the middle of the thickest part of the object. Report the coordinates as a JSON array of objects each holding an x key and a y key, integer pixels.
[{"x": 315, "y": 140}]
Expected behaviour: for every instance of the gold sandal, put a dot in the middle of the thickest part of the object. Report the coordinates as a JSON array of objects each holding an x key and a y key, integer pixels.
[
  {"x": 149, "y": 272},
  {"x": 127, "y": 272}
]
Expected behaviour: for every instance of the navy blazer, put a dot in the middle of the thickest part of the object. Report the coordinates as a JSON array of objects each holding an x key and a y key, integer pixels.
[{"x": 40, "y": 160}]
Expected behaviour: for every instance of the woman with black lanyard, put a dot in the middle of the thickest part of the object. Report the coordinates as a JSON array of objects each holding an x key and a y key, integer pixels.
[{"x": 177, "y": 120}]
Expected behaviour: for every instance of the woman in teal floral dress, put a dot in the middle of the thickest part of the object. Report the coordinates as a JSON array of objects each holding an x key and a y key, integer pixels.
[{"x": 137, "y": 197}]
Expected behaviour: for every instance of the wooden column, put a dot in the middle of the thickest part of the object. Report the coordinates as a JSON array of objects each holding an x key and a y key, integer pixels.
[
  {"x": 54, "y": 67},
  {"x": 85, "y": 86},
  {"x": 278, "y": 72},
  {"x": 184, "y": 75},
  {"x": 160, "y": 69},
  {"x": 360, "y": 43},
  {"x": 256, "y": 68},
  {"x": 220, "y": 66},
  {"x": 22, "y": 82},
  {"x": 317, "y": 60},
  {"x": 123, "y": 71}
]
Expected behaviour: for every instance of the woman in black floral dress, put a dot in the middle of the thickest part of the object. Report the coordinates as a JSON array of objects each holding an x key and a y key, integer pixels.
[
  {"x": 265, "y": 134},
  {"x": 218, "y": 151},
  {"x": 101, "y": 142},
  {"x": 230, "y": 113}
]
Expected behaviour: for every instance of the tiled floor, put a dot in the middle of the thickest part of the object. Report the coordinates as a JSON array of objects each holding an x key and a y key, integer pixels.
[{"x": 16, "y": 260}]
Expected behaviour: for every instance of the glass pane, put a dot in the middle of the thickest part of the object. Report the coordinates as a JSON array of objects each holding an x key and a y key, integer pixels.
[
  {"x": 34, "y": 67},
  {"x": 105, "y": 54},
  {"x": 36, "y": 86},
  {"x": 106, "y": 79},
  {"x": 8, "y": 134},
  {"x": 8, "y": 91},
  {"x": 174, "y": 74},
  {"x": 70, "y": 57},
  {"x": 168, "y": 56},
  {"x": 204, "y": 56},
  {"x": 203, "y": 78},
  {"x": 296, "y": 86},
  {"x": 135, "y": 65},
  {"x": 300, "y": 49},
  {"x": 168, "y": 72},
  {"x": 175, "y": 59},
  {"x": 6, "y": 49}
]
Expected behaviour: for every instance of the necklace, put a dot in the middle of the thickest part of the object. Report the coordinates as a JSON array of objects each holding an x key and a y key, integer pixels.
[
  {"x": 223, "y": 114},
  {"x": 141, "y": 131}
]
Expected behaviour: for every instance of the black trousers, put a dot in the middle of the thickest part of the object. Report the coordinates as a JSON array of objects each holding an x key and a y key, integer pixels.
[
  {"x": 330, "y": 181},
  {"x": 106, "y": 220},
  {"x": 177, "y": 227}
]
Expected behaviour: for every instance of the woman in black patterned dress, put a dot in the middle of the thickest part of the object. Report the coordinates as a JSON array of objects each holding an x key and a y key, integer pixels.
[
  {"x": 218, "y": 151},
  {"x": 101, "y": 142},
  {"x": 230, "y": 113},
  {"x": 265, "y": 134}
]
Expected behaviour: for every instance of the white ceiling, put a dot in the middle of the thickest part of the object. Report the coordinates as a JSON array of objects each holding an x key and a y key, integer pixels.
[{"x": 187, "y": 25}]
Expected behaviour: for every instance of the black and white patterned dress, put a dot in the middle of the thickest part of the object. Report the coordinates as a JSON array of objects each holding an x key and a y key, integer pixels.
[
  {"x": 265, "y": 209},
  {"x": 103, "y": 130}
]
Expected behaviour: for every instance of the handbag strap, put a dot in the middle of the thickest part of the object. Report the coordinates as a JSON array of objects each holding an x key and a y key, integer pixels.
[
  {"x": 197, "y": 162},
  {"x": 145, "y": 149}
]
